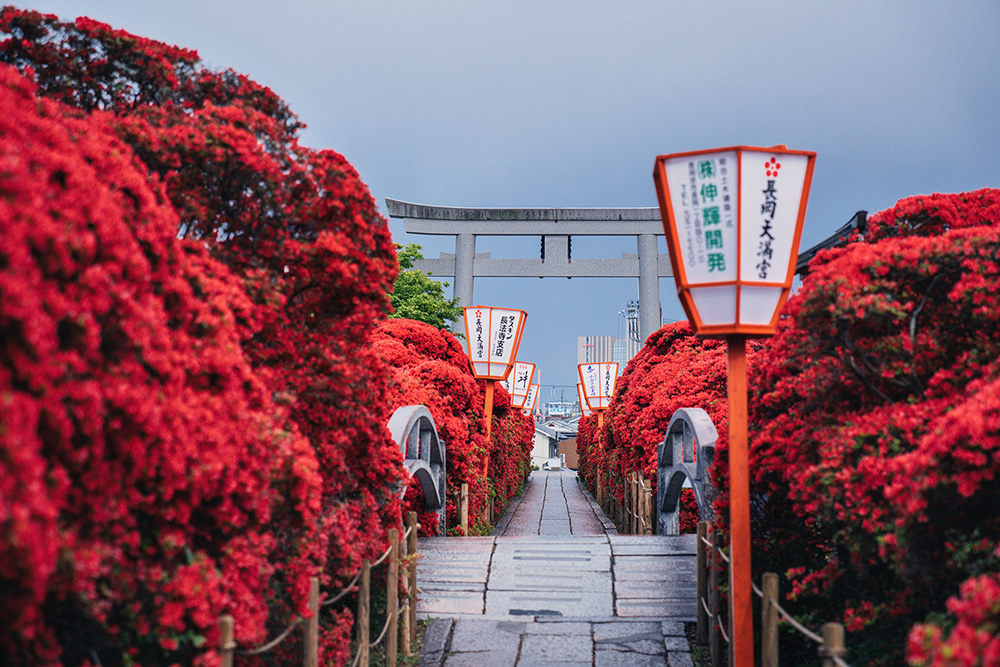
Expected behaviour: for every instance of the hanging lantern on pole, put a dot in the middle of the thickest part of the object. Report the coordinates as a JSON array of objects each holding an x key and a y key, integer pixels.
[
  {"x": 733, "y": 220},
  {"x": 518, "y": 383},
  {"x": 492, "y": 336},
  {"x": 598, "y": 382},
  {"x": 584, "y": 408},
  {"x": 529, "y": 403}
]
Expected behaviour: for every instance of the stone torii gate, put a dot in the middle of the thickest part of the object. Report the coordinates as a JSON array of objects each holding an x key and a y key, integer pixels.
[{"x": 556, "y": 227}]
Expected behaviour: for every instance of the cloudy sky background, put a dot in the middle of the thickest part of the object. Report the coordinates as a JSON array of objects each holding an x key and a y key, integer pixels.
[{"x": 566, "y": 104}]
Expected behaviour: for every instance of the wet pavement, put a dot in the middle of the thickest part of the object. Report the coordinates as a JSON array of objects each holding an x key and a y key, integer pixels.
[{"x": 556, "y": 584}]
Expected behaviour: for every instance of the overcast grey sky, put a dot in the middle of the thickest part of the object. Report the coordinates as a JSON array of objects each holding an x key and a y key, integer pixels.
[{"x": 566, "y": 104}]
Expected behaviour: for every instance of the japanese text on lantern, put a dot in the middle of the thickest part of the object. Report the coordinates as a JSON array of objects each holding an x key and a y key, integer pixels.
[
  {"x": 479, "y": 334},
  {"x": 505, "y": 331},
  {"x": 767, "y": 210},
  {"x": 704, "y": 206}
]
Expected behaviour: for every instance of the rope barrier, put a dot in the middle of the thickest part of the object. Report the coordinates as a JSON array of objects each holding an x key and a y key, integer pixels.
[
  {"x": 378, "y": 641},
  {"x": 785, "y": 616},
  {"x": 274, "y": 642},
  {"x": 382, "y": 559},
  {"x": 343, "y": 592},
  {"x": 722, "y": 628}
]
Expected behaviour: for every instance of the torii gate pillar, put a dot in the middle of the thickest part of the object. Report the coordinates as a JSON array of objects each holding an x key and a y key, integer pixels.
[{"x": 556, "y": 227}]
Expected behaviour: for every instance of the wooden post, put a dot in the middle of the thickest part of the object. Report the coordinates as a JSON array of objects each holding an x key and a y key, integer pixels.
[
  {"x": 647, "y": 508},
  {"x": 769, "y": 621},
  {"x": 714, "y": 640},
  {"x": 403, "y": 551},
  {"x": 463, "y": 508},
  {"x": 635, "y": 503},
  {"x": 226, "y": 643},
  {"x": 833, "y": 644},
  {"x": 411, "y": 522},
  {"x": 701, "y": 634},
  {"x": 310, "y": 633},
  {"x": 392, "y": 599},
  {"x": 364, "y": 595},
  {"x": 740, "y": 581}
]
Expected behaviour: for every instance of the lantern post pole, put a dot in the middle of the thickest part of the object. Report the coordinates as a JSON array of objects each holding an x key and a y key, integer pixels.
[
  {"x": 489, "y": 423},
  {"x": 741, "y": 594}
]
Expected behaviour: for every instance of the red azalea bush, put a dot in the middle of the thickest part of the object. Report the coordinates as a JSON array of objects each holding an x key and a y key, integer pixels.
[
  {"x": 144, "y": 466},
  {"x": 298, "y": 230},
  {"x": 675, "y": 369},
  {"x": 429, "y": 366},
  {"x": 876, "y": 421}
]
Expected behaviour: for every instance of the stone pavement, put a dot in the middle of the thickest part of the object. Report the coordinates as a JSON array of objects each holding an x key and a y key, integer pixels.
[{"x": 556, "y": 585}]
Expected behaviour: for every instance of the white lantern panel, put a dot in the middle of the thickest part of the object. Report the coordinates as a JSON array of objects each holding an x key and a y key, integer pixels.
[
  {"x": 715, "y": 305},
  {"x": 771, "y": 197},
  {"x": 583, "y": 400},
  {"x": 482, "y": 368},
  {"x": 703, "y": 195},
  {"x": 757, "y": 304},
  {"x": 503, "y": 333}
]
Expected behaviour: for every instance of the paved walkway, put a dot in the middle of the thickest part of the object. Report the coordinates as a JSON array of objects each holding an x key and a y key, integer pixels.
[{"x": 556, "y": 585}]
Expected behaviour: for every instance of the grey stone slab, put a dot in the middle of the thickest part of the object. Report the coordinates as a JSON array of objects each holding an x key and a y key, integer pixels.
[
  {"x": 658, "y": 577},
  {"x": 570, "y": 544},
  {"x": 550, "y": 580},
  {"x": 691, "y": 540},
  {"x": 437, "y": 635},
  {"x": 646, "y": 589},
  {"x": 655, "y": 563},
  {"x": 481, "y": 659},
  {"x": 553, "y": 627},
  {"x": 445, "y": 603},
  {"x": 453, "y": 574},
  {"x": 610, "y": 657},
  {"x": 679, "y": 659},
  {"x": 455, "y": 557},
  {"x": 676, "y": 644},
  {"x": 453, "y": 542},
  {"x": 570, "y": 539},
  {"x": 486, "y": 635},
  {"x": 657, "y": 609},
  {"x": 651, "y": 550},
  {"x": 550, "y": 648},
  {"x": 673, "y": 629},
  {"x": 469, "y": 586},
  {"x": 431, "y": 658},
  {"x": 553, "y": 560},
  {"x": 549, "y": 604},
  {"x": 616, "y": 631}
]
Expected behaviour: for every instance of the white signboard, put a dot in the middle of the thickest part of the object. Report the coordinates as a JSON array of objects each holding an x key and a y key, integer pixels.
[
  {"x": 703, "y": 194},
  {"x": 772, "y": 192},
  {"x": 598, "y": 382},
  {"x": 529, "y": 404},
  {"x": 518, "y": 383},
  {"x": 492, "y": 336}
]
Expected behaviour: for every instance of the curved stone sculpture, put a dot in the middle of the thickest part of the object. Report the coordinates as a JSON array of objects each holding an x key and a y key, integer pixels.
[
  {"x": 412, "y": 427},
  {"x": 691, "y": 430}
]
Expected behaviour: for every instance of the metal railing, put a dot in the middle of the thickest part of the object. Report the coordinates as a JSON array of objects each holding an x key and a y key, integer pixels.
[
  {"x": 713, "y": 627},
  {"x": 400, "y": 553}
]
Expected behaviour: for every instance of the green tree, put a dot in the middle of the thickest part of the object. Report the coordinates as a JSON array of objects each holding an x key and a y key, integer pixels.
[{"x": 417, "y": 296}]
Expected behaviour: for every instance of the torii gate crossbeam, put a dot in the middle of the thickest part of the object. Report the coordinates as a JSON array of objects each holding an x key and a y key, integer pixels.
[{"x": 555, "y": 226}]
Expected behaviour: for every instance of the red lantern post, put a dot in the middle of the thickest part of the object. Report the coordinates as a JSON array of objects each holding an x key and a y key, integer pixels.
[
  {"x": 492, "y": 336},
  {"x": 733, "y": 219}
]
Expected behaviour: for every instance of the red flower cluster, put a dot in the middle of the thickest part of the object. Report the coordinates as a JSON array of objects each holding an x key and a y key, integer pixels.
[
  {"x": 674, "y": 370},
  {"x": 272, "y": 261},
  {"x": 876, "y": 421},
  {"x": 144, "y": 467},
  {"x": 429, "y": 367}
]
